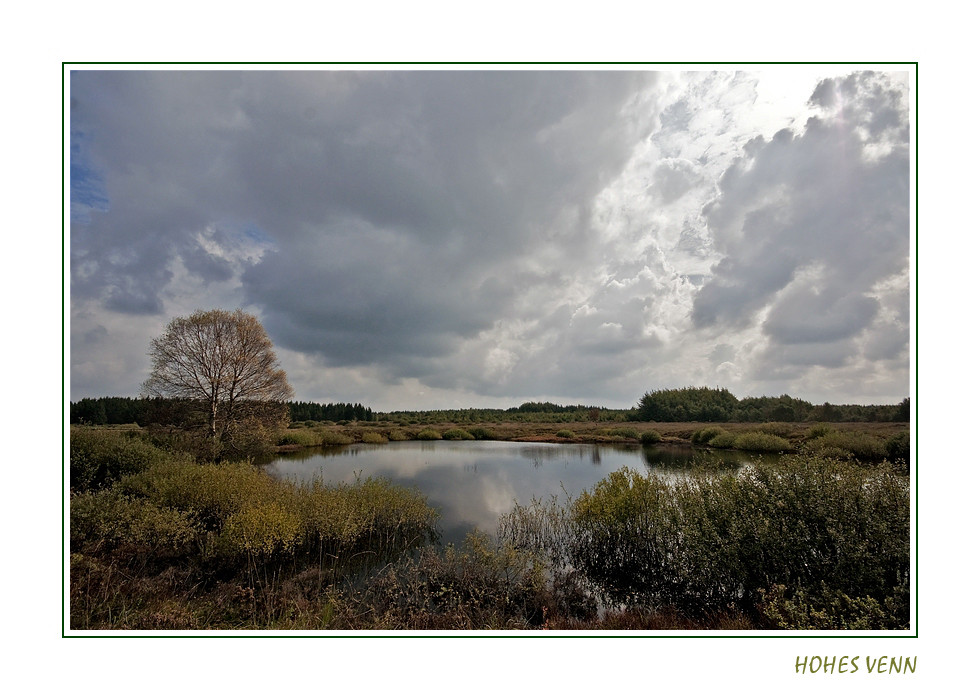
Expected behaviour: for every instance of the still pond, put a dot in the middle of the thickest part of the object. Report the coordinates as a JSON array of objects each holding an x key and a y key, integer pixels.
[{"x": 473, "y": 483}]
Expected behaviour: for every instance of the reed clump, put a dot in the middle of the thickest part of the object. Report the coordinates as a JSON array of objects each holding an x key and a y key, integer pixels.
[
  {"x": 457, "y": 434},
  {"x": 823, "y": 529},
  {"x": 758, "y": 441}
]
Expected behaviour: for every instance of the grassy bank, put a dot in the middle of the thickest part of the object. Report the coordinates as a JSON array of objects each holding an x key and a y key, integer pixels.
[
  {"x": 866, "y": 441},
  {"x": 159, "y": 541}
]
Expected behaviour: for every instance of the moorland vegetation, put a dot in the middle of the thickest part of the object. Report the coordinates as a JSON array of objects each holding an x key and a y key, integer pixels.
[
  {"x": 162, "y": 540},
  {"x": 174, "y": 526}
]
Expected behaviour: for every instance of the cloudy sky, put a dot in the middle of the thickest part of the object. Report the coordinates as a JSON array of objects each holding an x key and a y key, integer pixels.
[{"x": 417, "y": 239}]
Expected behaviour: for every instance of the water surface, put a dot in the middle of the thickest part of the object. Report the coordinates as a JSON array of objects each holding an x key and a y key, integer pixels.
[{"x": 473, "y": 482}]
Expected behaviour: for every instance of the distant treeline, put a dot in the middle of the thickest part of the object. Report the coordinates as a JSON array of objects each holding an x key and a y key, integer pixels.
[
  {"x": 696, "y": 404},
  {"x": 115, "y": 410},
  {"x": 306, "y": 410},
  {"x": 704, "y": 404},
  {"x": 529, "y": 412}
]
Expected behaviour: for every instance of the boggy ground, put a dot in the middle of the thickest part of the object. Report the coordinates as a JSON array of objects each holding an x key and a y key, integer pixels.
[
  {"x": 159, "y": 541},
  {"x": 571, "y": 432}
]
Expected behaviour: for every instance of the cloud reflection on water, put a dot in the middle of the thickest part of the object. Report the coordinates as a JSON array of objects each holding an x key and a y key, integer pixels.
[{"x": 473, "y": 483}]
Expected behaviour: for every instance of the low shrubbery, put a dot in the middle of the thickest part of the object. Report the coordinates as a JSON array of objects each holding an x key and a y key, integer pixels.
[
  {"x": 761, "y": 442},
  {"x": 899, "y": 447},
  {"x": 301, "y": 437},
  {"x": 859, "y": 445},
  {"x": 373, "y": 438},
  {"x": 818, "y": 430},
  {"x": 483, "y": 433},
  {"x": 824, "y": 530},
  {"x": 626, "y": 432},
  {"x": 705, "y": 435},
  {"x": 334, "y": 437},
  {"x": 457, "y": 434},
  {"x": 650, "y": 437},
  {"x": 428, "y": 434},
  {"x": 478, "y": 585},
  {"x": 100, "y": 457},
  {"x": 159, "y": 541},
  {"x": 783, "y": 430},
  {"x": 723, "y": 440},
  {"x": 565, "y": 434},
  {"x": 230, "y": 522}
]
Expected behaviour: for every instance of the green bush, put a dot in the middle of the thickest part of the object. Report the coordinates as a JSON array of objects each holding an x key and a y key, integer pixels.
[
  {"x": 210, "y": 493},
  {"x": 818, "y": 430},
  {"x": 704, "y": 435},
  {"x": 650, "y": 437},
  {"x": 899, "y": 447},
  {"x": 301, "y": 437},
  {"x": 723, "y": 440},
  {"x": 761, "y": 442},
  {"x": 566, "y": 434},
  {"x": 457, "y": 434},
  {"x": 368, "y": 515},
  {"x": 820, "y": 608},
  {"x": 860, "y": 445},
  {"x": 719, "y": 539},
  {"x": 428, "y": 434},
  {"x": 397, "y": 435},
  {"x": 98, "y": 457},
  {"x": 333, "y": 437},
  {"x": 263, "y": 530},
  {"x": 781, "y": 429},
  {"x": 373, "y": 438},
  {"x": 483, "y": 434},
  {"x": 102, "y": 521},
  {"x": 478, "y": 585}
]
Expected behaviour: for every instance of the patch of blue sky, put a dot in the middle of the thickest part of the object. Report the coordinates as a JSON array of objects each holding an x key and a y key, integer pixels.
[
  {"x": 256, "y": 235},
  {"x": 88, "y": 191}
]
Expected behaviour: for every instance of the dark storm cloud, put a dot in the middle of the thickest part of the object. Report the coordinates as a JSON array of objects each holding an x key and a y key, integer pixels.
[
  {"x": 460, "y": 170},
  {"x": 460, "y": 235},
  {"x": 806, "y": 316},
  {"x": 440, "y": 198},
  {"x": 809, "y": 224}
]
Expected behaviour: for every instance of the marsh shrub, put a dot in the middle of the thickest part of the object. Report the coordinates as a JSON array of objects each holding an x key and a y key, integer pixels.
[
  {"x": 343, "y": 520},
  {"x": 723, "y": 440},
  {"x": 101, "y": 521},
  {"x": 818, "y": 430},
  {"x": 245, "y": 512},
  {"x": 301, "y": 437},
  {"x": 780, "y": 429},
  {"x": 397, "y": 435},
  {"x": 899, "y": 447},
  {"x": 860, "y": 445},
  {"x": 478, "y": 585},
  {"x": 761, "y": 442},
  {"x": 820, "y": 608},
  {"x": 262, "y": 530},
  {"x": 704, "y": 435},
  {"x": 457, "y": 434},
  {"x": 650, "y": 437},
  {"x": 428, "y": 434},
  {"x": 373, "y": 438},
  {"x": 333, "y": 437},
  {"x": 626, "y": 432},
  {"x": 209, "y": 492},
  {"x": 565, "y": 433},
  {"x": 99, "y": 457},
  {"x": 483, "y": 434},
  {"x": 717, "y": 539}
]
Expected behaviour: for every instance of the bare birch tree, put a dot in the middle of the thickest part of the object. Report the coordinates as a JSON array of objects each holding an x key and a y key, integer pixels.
[{"x": 223, "y": 361}]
